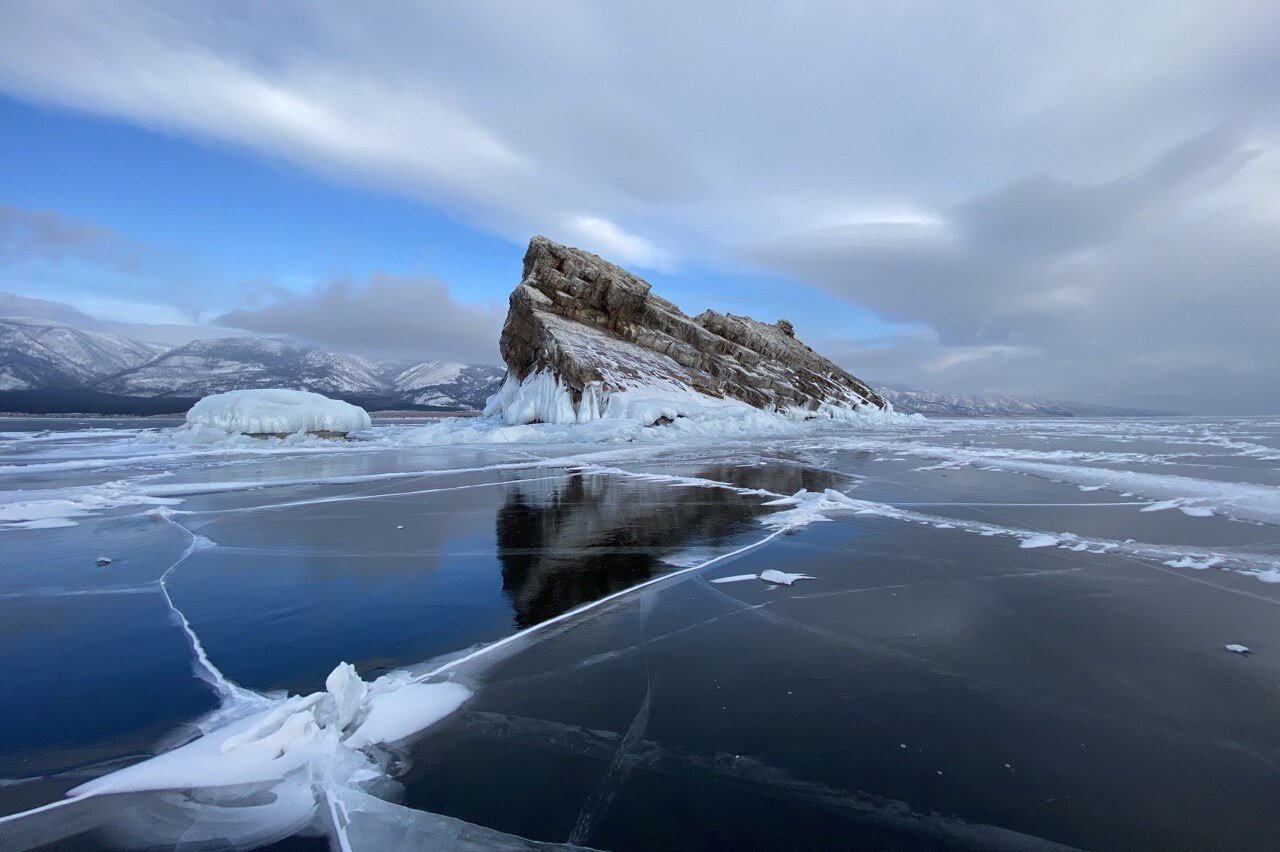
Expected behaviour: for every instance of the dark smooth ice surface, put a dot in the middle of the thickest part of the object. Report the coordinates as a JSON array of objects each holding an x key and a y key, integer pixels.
[{"x": 936, "y": 685}]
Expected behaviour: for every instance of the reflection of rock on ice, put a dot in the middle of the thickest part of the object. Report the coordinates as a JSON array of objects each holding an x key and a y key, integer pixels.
[{"x": 567, "y": 541}]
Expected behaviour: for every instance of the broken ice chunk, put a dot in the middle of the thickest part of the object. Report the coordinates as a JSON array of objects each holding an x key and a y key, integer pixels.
[
  {"x": 782, "y": 578},
  {"x": 104, "y": 560},
  {"x": 323, "y": 731},
  {"x": 1188, "y": 506},
  {"x": 348, "y": 692},
  {"x": 778, "y": 578},
  {"x": 1237, "y": 649},
  {"x": 1039, "y": 541}
]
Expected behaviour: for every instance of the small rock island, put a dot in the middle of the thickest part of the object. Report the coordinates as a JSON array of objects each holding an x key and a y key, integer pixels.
[{"x": 585, "y": 339}]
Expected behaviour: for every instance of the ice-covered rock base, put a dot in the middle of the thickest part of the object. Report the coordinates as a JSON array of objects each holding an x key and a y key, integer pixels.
[
  {"x": 275, "y": 411},
  {"x": 544, "y": 397}
]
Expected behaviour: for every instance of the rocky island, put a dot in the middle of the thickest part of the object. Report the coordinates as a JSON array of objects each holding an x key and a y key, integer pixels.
[{"x": 585, "y": 339}]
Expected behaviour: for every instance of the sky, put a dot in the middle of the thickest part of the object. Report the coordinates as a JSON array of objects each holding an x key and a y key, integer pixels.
[{"x": 1057, "y": 200}]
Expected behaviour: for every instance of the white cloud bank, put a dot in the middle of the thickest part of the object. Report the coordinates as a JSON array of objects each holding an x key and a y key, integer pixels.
[{"x": 1078, "y": 188}]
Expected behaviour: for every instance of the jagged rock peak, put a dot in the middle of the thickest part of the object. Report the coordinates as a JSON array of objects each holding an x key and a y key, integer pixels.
[{"x": 597, "y": 330}]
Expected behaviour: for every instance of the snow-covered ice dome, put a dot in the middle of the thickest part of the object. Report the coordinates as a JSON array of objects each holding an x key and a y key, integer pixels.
[{"x": 276, "y": 411}]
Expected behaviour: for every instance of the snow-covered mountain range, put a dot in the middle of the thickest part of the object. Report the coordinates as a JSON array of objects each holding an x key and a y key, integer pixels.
[
  {"x": 40, "y": 353},
  {"x": 48, "y": 366},
  {"x": 971, "y": 405}
]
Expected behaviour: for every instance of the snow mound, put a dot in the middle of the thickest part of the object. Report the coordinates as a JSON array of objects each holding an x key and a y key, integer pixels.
[{"x": 276, "y": 411}]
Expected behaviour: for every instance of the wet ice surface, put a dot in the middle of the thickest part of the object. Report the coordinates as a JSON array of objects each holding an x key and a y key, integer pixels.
[{"x": 1018, "y": 634}]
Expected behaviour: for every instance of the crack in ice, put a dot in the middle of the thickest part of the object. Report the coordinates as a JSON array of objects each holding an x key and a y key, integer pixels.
[{"x": 202, "y": 665}]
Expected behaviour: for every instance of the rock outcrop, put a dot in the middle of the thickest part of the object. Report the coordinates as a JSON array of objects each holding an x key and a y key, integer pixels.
[{"x": 588, "y": 330}]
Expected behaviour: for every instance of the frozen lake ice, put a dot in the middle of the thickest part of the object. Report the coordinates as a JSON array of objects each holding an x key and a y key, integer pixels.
[{"x": 1015, "y": 636}]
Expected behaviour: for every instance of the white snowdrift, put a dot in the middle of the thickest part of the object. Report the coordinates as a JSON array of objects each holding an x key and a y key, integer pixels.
[
  {"x": 543, "y": 398},
  {"x": 275, "y": 411}
]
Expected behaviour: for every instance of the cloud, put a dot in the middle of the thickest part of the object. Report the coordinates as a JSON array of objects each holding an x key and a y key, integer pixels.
[
  {"x": 1143, "y": 287},
  {"x": 1093, "y": 182},
  {"x": 101, "y": 274},
  {"x": 393, "y": 316},
  {"x": 13, "y": 305},
  {"x": 603, "y": 237},
  {"x": 386, "y": 316},
  {"x": 27, "y": 235},
  {"x": 152, "y": 323}
]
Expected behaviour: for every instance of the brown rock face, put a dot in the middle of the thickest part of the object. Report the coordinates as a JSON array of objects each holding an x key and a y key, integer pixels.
[{"x": 587, "y": 321}]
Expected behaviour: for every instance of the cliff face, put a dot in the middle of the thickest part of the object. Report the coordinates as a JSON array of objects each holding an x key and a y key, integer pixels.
[{"x": 599, "y": 330}]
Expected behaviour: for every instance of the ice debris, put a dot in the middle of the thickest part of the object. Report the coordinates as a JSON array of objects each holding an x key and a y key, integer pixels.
[
  {"x": 294, "y": 740},
  {"x": 782, "y": 578},
  {"x": 1191, "y": 562},
  {"x": 770, "y": 575},
  {"x": 813, "y": 506}
]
